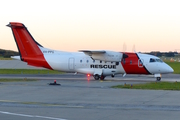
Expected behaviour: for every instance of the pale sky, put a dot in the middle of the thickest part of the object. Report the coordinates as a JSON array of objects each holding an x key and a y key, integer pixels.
[{"x": 117, "y": 25}]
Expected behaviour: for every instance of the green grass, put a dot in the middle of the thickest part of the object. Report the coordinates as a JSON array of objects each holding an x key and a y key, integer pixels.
[
  {"x": 16, "y": 80},
  {"x": 175, "y": 66},
  {"x": 28, "y": 71},
  {"x": 2, "y": 58},
  {"x": 152, "y": 86}
]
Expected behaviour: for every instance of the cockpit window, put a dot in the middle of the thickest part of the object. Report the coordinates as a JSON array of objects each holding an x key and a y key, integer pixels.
[
  {"x": 152, "y": 60},
  {"x": 155, "y": 60},
  {"x": 159, "y": 60}
]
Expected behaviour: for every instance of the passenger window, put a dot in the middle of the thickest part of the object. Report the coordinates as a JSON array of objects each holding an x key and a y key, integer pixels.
[
  {"x": 130, "y": 61},
  {"x": 117, "y": 63},
  {"x": 100, "y": 61},
  {"x": 80, "y": 61},
  {"x": 87, "y": 61},
  {"x": 93, "y": 61}
]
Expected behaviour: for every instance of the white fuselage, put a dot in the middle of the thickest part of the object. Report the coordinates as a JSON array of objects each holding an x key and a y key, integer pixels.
[{"x": 82, "y": 63}]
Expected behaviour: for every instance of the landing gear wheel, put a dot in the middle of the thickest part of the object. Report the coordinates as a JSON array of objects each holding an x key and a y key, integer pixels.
[
  {"x": 102, "y": 77},
  {"x": 112, "y": 75},
  {"x": 158, "y": 78},
  {"x": 96, "y": 77}
]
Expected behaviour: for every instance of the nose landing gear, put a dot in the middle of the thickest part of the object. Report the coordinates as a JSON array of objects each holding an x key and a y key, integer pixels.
[{"x": 158, "y": 78}]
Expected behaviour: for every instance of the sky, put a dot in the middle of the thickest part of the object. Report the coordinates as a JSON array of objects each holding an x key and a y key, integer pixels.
[{"x": 117, "y": 25}]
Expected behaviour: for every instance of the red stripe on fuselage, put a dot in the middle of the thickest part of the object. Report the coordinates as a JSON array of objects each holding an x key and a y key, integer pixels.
[
  {"x": 28, "y": 48},
  {"x": 131, "y": 65}
]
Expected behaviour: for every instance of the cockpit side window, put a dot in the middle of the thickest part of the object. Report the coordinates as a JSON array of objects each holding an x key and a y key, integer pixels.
[
  {"x": 155, "y": 60},
  {"x": 152, "y": 60},
  {"x": 159, "y": 60}
]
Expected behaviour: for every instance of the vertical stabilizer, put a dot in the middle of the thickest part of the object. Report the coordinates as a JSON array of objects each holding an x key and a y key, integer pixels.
[{"x": 28, "y": 48}]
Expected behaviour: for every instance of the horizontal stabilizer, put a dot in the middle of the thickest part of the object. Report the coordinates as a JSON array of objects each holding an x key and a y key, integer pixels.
[{"x": 16, "y": 57}]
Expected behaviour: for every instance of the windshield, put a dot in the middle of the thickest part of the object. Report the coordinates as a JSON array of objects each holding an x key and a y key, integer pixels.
[{"x": 155, "y": 60}]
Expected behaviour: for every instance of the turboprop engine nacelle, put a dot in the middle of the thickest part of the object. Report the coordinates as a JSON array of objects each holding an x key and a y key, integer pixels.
[{"x": 109, "y": 56}]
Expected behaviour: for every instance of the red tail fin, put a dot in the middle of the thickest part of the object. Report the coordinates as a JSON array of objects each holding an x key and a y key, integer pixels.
[{"x": 28, "y": 48}]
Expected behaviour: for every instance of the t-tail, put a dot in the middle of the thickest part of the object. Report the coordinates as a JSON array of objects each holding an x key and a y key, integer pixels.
[{"x": 29, "y": 49}]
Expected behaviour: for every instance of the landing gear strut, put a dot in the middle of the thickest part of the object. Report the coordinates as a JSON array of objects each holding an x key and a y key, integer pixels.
[
  {"x": 158, "y": 78},
  {"x": 102, "y": 77}
]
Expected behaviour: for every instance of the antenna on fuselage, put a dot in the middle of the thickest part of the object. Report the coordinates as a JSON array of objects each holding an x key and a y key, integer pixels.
[
  {"x": 134, "y": 48},
  {"x": 124, "y": 47}
]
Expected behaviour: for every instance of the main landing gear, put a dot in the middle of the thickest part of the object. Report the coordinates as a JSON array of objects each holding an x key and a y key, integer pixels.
[
  {"x": 97, "y": 77},
  {"x": 101, "y": 77}
]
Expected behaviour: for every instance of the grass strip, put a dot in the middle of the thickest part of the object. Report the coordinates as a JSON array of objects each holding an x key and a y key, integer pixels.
[
  {"x": 175, "y": 66},
  {"x": 1, "y": 58},
  {"x": 152, "y": 86},
  {"x": 28, "y": 71},
  {"x": 16, "y": 80}
]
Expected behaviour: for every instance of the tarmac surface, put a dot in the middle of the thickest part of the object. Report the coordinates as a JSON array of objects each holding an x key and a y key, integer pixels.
[
  {"x": 16, "y": 64},
  {"x": 83, "y": 98}
]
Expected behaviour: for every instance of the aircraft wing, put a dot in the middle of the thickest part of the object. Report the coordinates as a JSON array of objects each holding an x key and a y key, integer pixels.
[
  {"x": 91, "y": 52},
  {"x": 105, "y": 55}
]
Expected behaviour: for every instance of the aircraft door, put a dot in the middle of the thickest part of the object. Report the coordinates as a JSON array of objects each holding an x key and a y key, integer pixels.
[
  {"x": 71, "y": 63},
  {"x": 140, "y": 63}
]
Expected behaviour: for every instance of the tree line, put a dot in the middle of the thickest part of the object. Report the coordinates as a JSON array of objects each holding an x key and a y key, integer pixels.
[
  {"x": 8, "y": 53},
  {"x": 163, "y": 54}
]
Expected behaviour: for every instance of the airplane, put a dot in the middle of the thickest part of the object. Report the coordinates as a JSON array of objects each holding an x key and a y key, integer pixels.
[{"x": 97, "y": 63}]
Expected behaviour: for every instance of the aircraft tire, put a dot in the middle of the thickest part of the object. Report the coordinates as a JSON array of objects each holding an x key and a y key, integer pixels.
[
  {"x": 158, "y": 78},
  {"x": 96, "y": 77}
]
